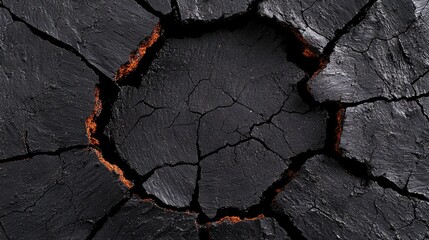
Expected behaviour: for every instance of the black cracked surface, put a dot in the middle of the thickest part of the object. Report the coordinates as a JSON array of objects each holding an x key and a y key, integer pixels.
[
  {"x": 56, "y": 197},
  {"x": 325, "y": 202},
  {"x": 246, "y": 119},
  {"x": 265, "y": 228},
  {"x": 214, "y": 100},
  {"x": 104, "y": 32},
  {"x": 46, "y": 94},
  {"x": 139, "y": 219},
  {"x": 201, "y": 10},
  {"x": 174, "y": 186},
  {"x": 317, "y": 21},
  {"x": 385, "y": 56},
  {"x": 393, "y": 139}
]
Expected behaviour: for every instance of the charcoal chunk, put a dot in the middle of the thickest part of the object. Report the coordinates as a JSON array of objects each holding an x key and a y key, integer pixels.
[
  {"x": 325, "y": 202},
  {"x": 317, "y": 21},
  {"x": 173, "y": 185},
  {"x": 104, "y": 32},
  {"x": 236, "y": 177},
  {"x": 51, "y": 197},
  {"x": 46, "y": 94},
  {"x": 393, "y": 139},
  {"x": 385, "y": 56}
]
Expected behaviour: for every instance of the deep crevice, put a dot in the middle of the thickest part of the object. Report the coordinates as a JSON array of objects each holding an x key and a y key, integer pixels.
[
  {"x": 385, "y": 99},
  {"x": 363, "y": 171},
  {"x": 334, "y": 127},
  {"x": 146, "y": 6},
  {"x": 264, "y": 207},
  {"x": 141, "y": 58},
  {"x": 287, "y": 224},
  {"x": 362, "y": 13},
  {"x": 204, "y": 232}
]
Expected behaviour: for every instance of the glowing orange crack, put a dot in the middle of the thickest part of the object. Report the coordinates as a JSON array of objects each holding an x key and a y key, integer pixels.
[
  {"x": 137, "y": 55},
  {"x": 91, "y": 129},
  {"x": 125, "y": 69},
  {"x": 115, "y": 169},
  {"x": 91, "y": 125},
  {"x": 236, "y": 219}
]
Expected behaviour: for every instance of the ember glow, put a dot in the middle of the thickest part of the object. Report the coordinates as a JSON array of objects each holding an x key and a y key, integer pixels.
[
  {"x": 115, "y": 169},
  {"x": 137, "y": 56}
]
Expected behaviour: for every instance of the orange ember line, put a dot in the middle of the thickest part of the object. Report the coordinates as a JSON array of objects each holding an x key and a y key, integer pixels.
[
  {"x": 339, "y": 130},
  {"x": 115, "y": 169},
  {"x": 137, "y": 55},
  {"x": 91, "y": 125},
  {"x": 91, "y": 128},
  {"x": 236, "y": 219}
]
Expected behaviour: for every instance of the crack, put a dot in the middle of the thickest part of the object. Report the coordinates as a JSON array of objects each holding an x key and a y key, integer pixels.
[
  {"x": 195, "y": 204},
  {"x": 99, "y": 224},
  {"x": 105, "y": 148},
  {"x": 138, "y": 57},
  {"x": 32, "y": 154},
  {"x": 145, "y": 177},
  {"x": 4, "y": 231},
  {"x": 32, "y": 205},
  {"x": 334, "y": 129},
  {"x": 385, "y": 99},
  {"x": 362, "y": 170},
  {"x": 422, "y": 109},
  {"x": 420, "y": 77},
  {"x": 54, "y": 41},
  {"x": 27, "y": 147},
  {"x": 362, "y": 13},
  {"x": 264, "y": 207}
]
